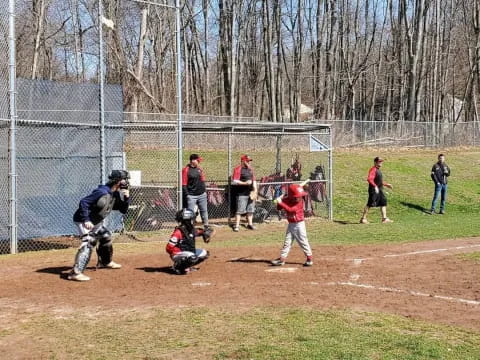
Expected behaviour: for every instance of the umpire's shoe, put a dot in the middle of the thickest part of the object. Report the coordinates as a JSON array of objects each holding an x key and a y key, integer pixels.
[
  {"x": 78, "y": 277},
  {"x": 110, "y": 265}
]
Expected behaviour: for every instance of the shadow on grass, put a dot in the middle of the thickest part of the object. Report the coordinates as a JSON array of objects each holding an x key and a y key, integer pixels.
[
  {"x": 163, "y": 269},
  {"x": 344, "y": 222},
  {"x": 415, "y": 207}
]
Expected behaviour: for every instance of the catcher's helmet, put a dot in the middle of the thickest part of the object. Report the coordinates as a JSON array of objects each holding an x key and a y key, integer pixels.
[
  {"x": 185, "y": 216},
  {"x": 296, "y": 191},
  {"x": 117, "y": 175}
]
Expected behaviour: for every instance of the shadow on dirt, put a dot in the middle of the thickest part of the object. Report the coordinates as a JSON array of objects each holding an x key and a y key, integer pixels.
[
  {"x": 164, "y": 269},
  {"x": 61, "y": 271},
  {"x": 247, "y": 260}
]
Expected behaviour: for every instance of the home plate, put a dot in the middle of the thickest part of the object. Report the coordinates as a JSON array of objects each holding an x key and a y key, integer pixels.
[
  {"x": 201, "y": 284},
  {"x": 282, "y": 270}
]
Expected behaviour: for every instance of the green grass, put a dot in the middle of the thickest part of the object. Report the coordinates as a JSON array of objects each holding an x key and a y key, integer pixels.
[
  {"x": 475, "y": 256},
  {"x": 288, "y": 333},
  {"x": 409, "y": 173},
  {"x": 262, "y": 333}
]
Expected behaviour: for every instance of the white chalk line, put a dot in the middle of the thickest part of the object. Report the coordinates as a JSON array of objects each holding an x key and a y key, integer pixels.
[
  {"x": 282, "y": 270},
  {"x": 359, "y": 261},
  {"x": 410, "y": 292}
]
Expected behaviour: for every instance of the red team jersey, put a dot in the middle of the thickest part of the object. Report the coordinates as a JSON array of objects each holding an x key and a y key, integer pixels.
[{"x": 293, "y": 209}]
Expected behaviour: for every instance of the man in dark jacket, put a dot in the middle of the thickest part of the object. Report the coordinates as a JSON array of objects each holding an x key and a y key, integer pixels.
[
  {"x": 89, "y": 218},
  {"x": 440, "y": 174},
  {"x": 193, "y": 188}
]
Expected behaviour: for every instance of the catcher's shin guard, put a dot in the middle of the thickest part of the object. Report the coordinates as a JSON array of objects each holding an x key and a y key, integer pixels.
[
  {"x": 84, "y": 253},
  {"x": 105, "y": 248},
  {"x": 183, "y": 263}
]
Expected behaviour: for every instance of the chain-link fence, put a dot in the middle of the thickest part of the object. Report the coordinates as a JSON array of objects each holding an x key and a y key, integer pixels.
[
  {"x": 350, "y": 133},
  {"x": 277, "y": 155},
  {"x": 58, "y": 163},
  {"x": 4, "y": 124}
]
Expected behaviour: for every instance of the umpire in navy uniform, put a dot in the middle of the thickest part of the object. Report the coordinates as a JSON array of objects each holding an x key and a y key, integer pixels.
[{"x": 89, "y": 218}]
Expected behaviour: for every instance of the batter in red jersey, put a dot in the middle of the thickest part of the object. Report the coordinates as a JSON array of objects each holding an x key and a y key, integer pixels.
[
  {"x": 376, "y": 196},
  {"x": 293, "y": 205}
]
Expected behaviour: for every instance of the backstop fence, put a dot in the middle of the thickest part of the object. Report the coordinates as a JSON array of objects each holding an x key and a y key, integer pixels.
[{"x": 58, "y": 163}]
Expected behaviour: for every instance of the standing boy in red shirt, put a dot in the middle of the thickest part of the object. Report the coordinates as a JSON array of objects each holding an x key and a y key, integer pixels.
[{"x": 293, "y": 205}]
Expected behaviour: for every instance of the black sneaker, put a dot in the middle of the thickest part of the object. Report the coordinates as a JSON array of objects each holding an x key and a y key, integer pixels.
[
  {"x": 442, "y": 212},
  {"x": 251, "y": 227}
]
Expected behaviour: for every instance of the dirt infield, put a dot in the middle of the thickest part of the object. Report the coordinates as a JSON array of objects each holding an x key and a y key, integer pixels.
[{"x": 425, "y": 281}]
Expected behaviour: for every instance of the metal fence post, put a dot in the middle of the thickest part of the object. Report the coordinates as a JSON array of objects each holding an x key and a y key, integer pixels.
[
  {"x": 179, "y": 106},
  {"x": 102, "y": 92},
  {"x": 330, "y": 176},
  {"x": 12, "y": 149}
]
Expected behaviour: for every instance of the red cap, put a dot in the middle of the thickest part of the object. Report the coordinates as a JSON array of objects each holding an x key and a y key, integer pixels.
[
  {"x": 246, "y": 158},
  {"x": 296, "y": 191},
  {"x": 196, "y": 157}
]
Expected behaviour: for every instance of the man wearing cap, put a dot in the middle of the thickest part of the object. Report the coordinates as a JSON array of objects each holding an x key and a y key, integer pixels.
[
  {"x": 440, "y": 173},
  {"x": 194, "y": 189},
  {"x": 90, "y": 218},
  {"x": 244, "y": 181},
  {"x": 376, "y": 197}
]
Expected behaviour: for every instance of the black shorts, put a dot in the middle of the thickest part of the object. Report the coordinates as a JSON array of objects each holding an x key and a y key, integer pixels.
[{"x": 376, "y": 200}]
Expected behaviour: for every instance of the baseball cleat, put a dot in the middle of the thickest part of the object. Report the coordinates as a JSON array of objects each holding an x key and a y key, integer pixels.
[
  {"x": 78, "y": 277},
  {"x": 277, "y": 262},
  {"x": 111, "y": 265}
]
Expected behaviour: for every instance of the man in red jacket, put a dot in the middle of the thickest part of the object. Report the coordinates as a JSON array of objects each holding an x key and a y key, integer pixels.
[
  {"x": 293, "y": 205},
  {"x": 244, "y": 181},
  {"x": 376, "y": 197}
]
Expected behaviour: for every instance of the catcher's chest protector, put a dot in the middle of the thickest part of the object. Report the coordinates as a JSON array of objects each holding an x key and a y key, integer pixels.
[{"x": 187, "y": 243}]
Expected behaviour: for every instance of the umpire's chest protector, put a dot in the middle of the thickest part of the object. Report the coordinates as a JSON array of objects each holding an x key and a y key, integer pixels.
[{"x": 102, "y": 208}]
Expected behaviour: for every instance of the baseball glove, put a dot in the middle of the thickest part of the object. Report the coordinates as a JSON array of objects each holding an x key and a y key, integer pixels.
[{"x": 207, "y": 234}]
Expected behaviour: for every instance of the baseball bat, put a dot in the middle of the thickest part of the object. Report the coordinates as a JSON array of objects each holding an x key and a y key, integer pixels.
[{"x": 305, "y": 182}]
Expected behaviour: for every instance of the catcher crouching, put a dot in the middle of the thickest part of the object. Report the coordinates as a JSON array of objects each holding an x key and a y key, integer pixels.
[{"x": 181, "y": 246}]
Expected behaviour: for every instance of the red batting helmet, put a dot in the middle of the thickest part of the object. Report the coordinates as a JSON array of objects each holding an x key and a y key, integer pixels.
[{"x": 296, "y": 191}]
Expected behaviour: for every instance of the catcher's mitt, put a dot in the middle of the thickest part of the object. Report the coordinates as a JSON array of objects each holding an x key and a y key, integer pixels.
[{"x": 207, "y": 234}]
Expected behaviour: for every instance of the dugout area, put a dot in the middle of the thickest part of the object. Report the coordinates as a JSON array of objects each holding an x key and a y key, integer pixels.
[
  {"x": 275, "y": 149},
  {"x": 59, "y": 161}
]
